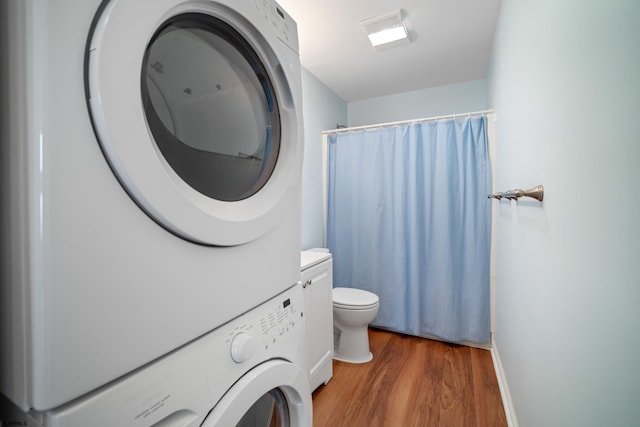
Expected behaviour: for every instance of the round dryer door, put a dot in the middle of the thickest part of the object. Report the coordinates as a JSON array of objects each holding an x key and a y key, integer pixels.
[
  {"x": 275, "y": 393},
  {"x": 195, "y": 107}
]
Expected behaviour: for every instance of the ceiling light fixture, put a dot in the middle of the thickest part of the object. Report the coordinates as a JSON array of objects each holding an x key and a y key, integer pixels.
[{"x": 386, "y": 29}]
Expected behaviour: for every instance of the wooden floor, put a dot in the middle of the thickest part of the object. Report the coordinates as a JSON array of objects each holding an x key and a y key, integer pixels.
[{"x": 411, "y": 382}]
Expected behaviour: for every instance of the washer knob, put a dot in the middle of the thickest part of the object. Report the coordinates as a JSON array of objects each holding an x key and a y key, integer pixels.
[{"x": 243, "y": 346}]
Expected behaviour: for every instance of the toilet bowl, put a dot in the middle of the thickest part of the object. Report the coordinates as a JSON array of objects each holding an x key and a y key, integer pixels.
[{"x": 353, "y": 310}]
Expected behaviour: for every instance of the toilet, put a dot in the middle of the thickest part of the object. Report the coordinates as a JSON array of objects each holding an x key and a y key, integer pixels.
[{"x": 353, "y": 310}]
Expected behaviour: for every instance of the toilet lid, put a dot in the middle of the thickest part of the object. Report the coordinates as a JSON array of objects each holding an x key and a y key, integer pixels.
[{"x": 354, "y": 297}]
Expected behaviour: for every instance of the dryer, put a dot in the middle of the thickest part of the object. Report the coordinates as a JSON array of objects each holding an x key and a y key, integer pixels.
[{"x": 151, "y": 157}]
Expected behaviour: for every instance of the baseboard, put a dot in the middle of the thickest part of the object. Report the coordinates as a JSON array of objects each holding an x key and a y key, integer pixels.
[{"x": 507, "y": 403}]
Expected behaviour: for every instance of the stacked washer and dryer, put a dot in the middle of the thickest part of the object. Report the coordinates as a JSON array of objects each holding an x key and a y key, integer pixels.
[{"x": 151, "y": 163}]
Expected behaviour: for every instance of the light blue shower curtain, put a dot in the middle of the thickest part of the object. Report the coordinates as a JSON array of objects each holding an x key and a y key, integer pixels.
[{"x": 408, "y": 219}]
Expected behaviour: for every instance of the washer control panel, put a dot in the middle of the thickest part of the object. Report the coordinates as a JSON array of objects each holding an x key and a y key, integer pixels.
[{"x": 261, "y": 330}]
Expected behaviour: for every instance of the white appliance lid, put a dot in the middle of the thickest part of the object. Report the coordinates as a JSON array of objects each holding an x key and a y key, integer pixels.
[{"x": 354, "y": 297}]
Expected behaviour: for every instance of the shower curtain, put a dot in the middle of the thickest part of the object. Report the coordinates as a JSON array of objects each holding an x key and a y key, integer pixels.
[{"x": 408, "y": 219}]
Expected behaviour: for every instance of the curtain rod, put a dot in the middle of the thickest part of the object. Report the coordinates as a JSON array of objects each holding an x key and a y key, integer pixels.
[{"x": 403, "y": 122}]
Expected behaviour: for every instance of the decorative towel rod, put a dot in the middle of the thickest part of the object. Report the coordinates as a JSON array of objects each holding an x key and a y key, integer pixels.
[{"x": 536, "y": 192}]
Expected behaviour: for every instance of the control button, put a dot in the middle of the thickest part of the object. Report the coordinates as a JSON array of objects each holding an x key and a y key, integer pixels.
[{"x": 243, "y": 347}]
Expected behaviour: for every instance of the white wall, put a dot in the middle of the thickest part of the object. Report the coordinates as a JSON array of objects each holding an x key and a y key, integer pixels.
[
  {"x": 322, "y": 110},
  {"x": 565, "y": 85},
  {"x": 437, "y": 101}
]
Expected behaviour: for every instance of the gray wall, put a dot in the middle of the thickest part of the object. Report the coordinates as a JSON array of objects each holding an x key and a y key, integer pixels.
[
  {"x": 565, "y": 85},
  {"x": 437, "y": 101},
  {"x": 322, "y": 110}
]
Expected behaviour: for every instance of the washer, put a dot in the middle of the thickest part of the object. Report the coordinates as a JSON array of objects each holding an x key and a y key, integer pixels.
[
  {"x": 151, "y": 157},
  {"x": 248, "y": 372}
]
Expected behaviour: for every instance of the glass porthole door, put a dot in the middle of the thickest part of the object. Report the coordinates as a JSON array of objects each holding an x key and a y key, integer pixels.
[
  {"x": 211, "y": 107},
  {"x": 198, "y": 137},
  {"x": 270, "y": 410},
  {"x": 274, "y": 394}
]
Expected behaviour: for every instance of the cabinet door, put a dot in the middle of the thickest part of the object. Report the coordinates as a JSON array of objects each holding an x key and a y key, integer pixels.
[{"x": 318, "y": 284}]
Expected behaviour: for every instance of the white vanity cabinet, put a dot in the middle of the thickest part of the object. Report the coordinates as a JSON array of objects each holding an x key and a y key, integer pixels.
[{"x": 317, "y": 282}]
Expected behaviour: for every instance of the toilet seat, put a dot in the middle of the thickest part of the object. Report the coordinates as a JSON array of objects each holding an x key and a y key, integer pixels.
[{"x": 354, "y": 299}]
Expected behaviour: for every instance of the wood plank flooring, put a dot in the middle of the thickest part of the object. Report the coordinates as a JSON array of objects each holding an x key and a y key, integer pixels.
[{"x": 411, "y": 382}]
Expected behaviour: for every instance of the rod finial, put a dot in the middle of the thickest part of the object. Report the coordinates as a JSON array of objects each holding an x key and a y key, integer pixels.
[{"x": 536, "y": 192}]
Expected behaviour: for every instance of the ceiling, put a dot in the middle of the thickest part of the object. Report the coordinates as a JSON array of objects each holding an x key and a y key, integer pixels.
[{"x": 450, "y": 43}]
